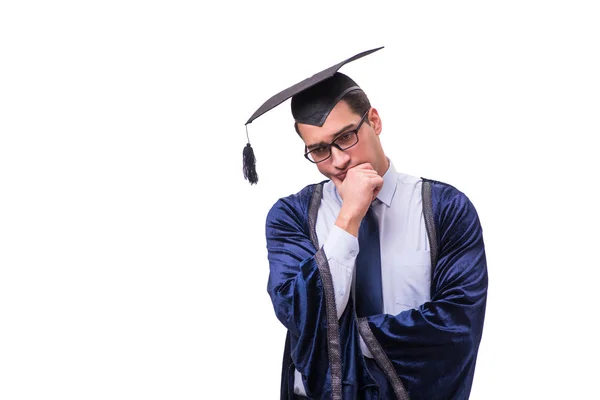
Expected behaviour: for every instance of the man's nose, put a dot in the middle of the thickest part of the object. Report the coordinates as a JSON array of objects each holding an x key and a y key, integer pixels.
[{"x": 339, "y": 158}]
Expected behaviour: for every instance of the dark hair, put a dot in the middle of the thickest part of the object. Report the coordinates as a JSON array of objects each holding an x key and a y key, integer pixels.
[{"x": 358, "y": 102}]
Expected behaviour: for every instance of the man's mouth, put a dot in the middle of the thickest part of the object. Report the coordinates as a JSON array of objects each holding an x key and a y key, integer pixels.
[{"x": 341, "y": 176}]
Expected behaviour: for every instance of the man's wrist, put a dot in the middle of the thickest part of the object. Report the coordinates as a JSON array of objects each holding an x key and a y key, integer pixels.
[{"x": 349, "y": 223}]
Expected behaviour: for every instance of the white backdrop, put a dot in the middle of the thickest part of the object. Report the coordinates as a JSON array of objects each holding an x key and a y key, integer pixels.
[{"x": 132, "y": 252}]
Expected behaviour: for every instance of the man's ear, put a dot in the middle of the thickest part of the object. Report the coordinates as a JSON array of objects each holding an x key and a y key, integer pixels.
[{"x": 375, "y": 120}]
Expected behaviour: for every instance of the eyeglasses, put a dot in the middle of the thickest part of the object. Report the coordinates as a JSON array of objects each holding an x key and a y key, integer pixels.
[{"x": 342, "y": 142}]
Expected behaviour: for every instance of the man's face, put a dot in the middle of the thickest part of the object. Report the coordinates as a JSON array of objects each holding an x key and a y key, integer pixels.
[{"x": 339, "y": 121}]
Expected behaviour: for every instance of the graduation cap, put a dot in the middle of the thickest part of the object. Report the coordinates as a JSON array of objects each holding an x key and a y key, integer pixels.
[{"x": 312, "y": 100}]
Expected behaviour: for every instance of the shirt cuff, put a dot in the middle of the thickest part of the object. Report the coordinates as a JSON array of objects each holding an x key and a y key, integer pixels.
[{"x": 341, "y": 246}]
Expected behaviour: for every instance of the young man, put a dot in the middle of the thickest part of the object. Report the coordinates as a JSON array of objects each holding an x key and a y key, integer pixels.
[{"x": 379, "y": 277}]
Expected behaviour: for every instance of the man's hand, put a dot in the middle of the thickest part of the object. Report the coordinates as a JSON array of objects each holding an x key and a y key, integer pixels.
[{"x": 358, "y": 189}]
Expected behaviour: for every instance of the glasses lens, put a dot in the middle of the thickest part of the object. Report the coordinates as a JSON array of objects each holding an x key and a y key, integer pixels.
[
  {"x": 347, "y": 140},
  {"x": 319, "y": 154}
]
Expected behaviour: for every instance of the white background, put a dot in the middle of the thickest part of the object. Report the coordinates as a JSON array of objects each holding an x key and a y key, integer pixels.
[{"x": 132, "y": 252}]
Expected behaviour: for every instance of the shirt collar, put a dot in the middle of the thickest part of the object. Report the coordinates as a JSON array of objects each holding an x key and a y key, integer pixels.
[{"x": 390, "y": 181}]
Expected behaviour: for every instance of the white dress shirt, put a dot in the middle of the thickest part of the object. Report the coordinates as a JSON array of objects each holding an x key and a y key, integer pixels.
[{"x": 405, "y": 254}]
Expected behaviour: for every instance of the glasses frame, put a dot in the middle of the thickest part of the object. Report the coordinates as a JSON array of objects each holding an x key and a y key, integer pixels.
[{"x": 334, "y": 144}]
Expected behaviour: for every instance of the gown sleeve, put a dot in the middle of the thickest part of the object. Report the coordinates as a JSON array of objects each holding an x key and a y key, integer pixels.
[
  {"x": 433, "y": 348},
  {"x": 297, "y": 291}
]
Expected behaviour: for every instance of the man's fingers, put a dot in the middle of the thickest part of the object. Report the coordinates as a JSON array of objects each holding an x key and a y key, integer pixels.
[
  {"x": 376, "y": 181},
  {"x": 378, "y": 185},
  {"x": 375, "y": 193},
  {"x": 363, "y": 171},
  {"x": 364, "y": 166},
  {"x": 336, "y": 181}
]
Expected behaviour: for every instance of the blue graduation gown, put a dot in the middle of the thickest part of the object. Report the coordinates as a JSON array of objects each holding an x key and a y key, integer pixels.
[{"x": 426, "y": 353}]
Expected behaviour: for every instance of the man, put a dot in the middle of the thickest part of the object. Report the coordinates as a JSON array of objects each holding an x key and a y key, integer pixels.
[{"x": 379, "y": 277}]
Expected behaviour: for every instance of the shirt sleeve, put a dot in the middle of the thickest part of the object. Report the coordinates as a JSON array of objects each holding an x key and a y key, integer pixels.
[{"x": 341, "y": 249}]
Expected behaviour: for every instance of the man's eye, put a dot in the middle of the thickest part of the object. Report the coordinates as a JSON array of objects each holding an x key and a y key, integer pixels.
[
  {"x": 345, "y": 136},
  {"x": 319, "y": 151}
]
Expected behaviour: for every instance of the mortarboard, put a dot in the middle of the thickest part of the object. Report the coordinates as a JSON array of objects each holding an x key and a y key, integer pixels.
[{"x": 312, "y": 100}]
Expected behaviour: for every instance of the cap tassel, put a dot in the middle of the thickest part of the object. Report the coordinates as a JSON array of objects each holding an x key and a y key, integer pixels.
[{"x": 249, "y": 163}]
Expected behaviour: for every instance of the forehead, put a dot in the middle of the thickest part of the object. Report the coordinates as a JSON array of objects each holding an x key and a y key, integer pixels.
[{"x": 340, "y": 117}]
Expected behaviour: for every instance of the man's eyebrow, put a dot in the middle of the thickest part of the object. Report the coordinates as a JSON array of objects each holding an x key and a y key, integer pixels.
[{"x": 320, "y": 144}]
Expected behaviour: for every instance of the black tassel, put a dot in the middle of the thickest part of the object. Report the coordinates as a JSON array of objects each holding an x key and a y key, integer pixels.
[{"x": 250, "y": 165}]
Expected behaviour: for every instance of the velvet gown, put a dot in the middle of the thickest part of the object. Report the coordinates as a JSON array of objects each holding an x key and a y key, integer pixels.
[{"x": 425, "y": 353}]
